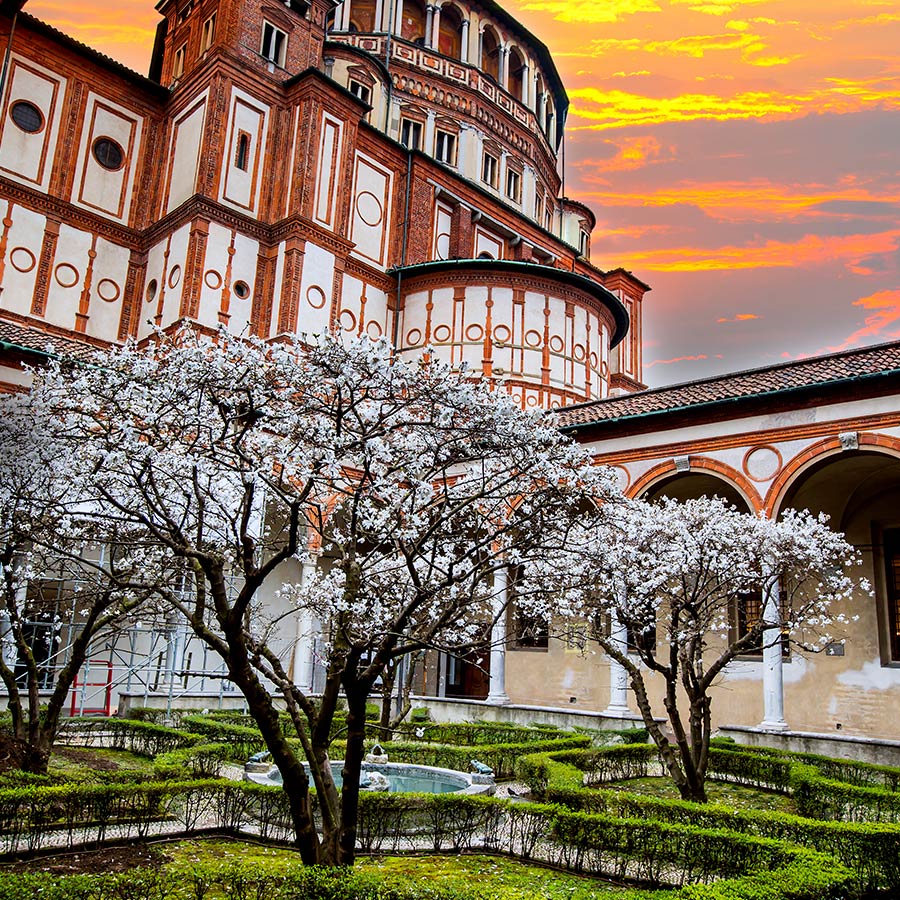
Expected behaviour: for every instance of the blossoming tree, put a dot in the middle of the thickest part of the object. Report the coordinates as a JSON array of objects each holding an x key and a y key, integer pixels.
[
  {"x": 411, "y": 484},
  {"x": 666, "y": 584},
  {"x": 67, "y": 585}
]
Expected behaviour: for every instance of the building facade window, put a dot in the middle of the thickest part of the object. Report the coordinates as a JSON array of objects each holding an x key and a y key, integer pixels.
[
  {"x": 363, "y": 91},
  {"x": 209, "y": 33},
  {"x": 530, "y": 632},
  {"x": 445, "y": 147},
  {"x": 27, "y": 116},
  {"x": 539, "y": 209},
  {"x": 242, "y": 152},
  {"x": 513, "y": 185},
  {"x": 274, "y": 44},
  {"x": 411, "y": 134},
  {"x": 178, "y": 62},
  {"x": 747, "y": 612},
  {"x": 489, "y": 168},
  {"x": 892, "y": 566},
  {"x": 108, "y": 154},
  {"x": 584, "y": 243}
]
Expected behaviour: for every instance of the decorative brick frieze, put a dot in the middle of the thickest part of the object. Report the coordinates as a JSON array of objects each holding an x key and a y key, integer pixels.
[{"x": 45, "y": 267}]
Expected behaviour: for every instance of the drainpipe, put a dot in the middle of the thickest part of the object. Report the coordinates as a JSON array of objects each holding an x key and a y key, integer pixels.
[
  {"x": 9, "y": 43},
  {"x": 388, "y": 47}
]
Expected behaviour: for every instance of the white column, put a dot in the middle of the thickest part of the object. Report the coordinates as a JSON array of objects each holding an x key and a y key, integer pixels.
[
  {"x": 429, "y": 25},
  {"x": 526, "y": 84},
  {"x": 345, "y": 16},
  {"x": 379, "y": 15},
  {"x": 618, "y": 677},
  {"x": 464, "y": 41},
  {"x": 436, "y": 29},
  {"x": 503, "y": 62},
  {"x": 304, "y": 641},
  {"x": 398, "y": 19},
  {"x": 497, "y": 693},
  {"x": 773, "y": 661}
]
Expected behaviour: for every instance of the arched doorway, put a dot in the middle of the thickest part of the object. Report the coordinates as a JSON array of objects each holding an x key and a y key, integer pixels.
[
  {"x": 517, "y": 70},
  {"x": 450, "y": 32},
  {"x": 490, "y": 53},
  {"x": 362, "y": 16},
  {"x": 413, "y": 21}
]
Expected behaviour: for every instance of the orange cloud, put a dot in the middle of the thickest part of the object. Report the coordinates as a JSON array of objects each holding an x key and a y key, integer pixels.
[
  {"x": 738, "y": 201},
  {"x": 677, "y": 359},
  {"x": 631, "y": 153},
  {"x": 740, "y": 317},
  {"x": 811, "y": 250},
  {"x": 884, "y": 311},
  {"x": 590, "y": 12}
]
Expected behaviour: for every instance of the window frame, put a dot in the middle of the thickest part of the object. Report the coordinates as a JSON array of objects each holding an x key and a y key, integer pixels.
[
  {"x": 513, "y": 184},
  {"x": 208, "y": 34},
  {"x": 178, "y": 62},
  {"x": 273, "y": 39},
  {"x": 492, "y": 163},
  {"x": 451, "y": 139},
  {"x": 242, "y": 151},
  {"x": 416, "y": 128},
  {"x": 360, "y": 91}
]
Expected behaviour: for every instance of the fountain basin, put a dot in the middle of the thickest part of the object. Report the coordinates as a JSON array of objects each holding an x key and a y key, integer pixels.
[{"x": 406, "y": 778}]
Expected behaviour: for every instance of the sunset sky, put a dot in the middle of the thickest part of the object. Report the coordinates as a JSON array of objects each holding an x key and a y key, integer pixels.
[{"x": 742, "y": 156}]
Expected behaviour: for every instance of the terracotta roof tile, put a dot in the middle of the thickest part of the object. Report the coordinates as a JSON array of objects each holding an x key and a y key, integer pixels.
[
  {"x": 820, "y": 370},
  {"x": 44, "y": 342}
]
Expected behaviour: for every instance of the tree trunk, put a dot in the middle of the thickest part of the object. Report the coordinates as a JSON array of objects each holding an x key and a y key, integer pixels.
[
  {"x": 37, "y": 752},
  {"x": 353, "y": 760}
]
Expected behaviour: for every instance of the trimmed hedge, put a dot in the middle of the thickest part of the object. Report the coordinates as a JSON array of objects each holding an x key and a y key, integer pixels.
[
  {"x": 141, "y": 738},
  {"x": 870, "y": 850}
]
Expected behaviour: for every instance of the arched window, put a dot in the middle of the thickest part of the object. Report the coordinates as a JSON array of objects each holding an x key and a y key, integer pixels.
[
  {"x": 413, "y": 21},
  {"x": 490, "y": 53},
  {"x": 517, "y": 71},
  {"x": 450, "y": 34},
  {"x": 242, "y": 154},
  {"x": 362, "y": 16}
]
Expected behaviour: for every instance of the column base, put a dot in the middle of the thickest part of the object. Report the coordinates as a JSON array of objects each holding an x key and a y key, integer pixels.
[
  {"x": 614, "y": 711},
  {"x": 497, "y": 699},
  {"x": 767, "y": 725}
]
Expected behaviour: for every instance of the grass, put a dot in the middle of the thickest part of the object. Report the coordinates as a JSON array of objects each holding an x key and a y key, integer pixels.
[
  {"x": 725, "y": 793},
  {"x": 504, "y": 879},
  {"x": 89, "y": 764}
]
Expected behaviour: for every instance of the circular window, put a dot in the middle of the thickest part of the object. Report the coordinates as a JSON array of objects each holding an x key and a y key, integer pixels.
[
  {"x": 241, "y": 290},
  {"x": 108, "y": 153},
  {"x": 152, "y": 288},
  {"x": 27, "y": 116}
]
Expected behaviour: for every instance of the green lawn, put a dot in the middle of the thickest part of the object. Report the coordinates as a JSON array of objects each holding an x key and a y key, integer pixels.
[
  {"x": 505, "y": 879},
  {"x": 90, "y": 763},
  {"x": 723, "y": 792}
]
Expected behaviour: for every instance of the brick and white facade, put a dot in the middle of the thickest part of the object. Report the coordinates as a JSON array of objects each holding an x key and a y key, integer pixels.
[{"x": 391, "y": 169}]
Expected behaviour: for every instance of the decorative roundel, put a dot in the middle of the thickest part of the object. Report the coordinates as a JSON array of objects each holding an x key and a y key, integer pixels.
[
  {"x": 533, "y": 400},
  {"x": 763, "y": 463},
  {"x": 241, "y": 290},
  {"x": 348, "y": 320},
  {"x": 108, "y": 290},
  {"x": 22, "y": 259},
  {"x": 27, "y": 116},
  {"x": 152, "y": 288},
  {"x": 212, "y": 279},
  {"x": 474, "y": 332},
  {"x": 502, "y": 334},
  {"x": 413, "y": 337},
  {"x": 108, "y": 153},
  {"x": 369, "y": 209},
  {"x": 533, "y": 338},
  {"x": 623, "y": 476},
  {"x": 315, "y": 296},
  {"x": 604, "y": 369},
  {"x": 374, "y": 330},
  {"x": 66, "y": 275},
  {"x": 174, "y": 276},
  {"x": 557, "y": 345},
  {"x": 594, "y": 360},
  {"x": 579, "y": 352},
  {"x": 442, "y": 334}
]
